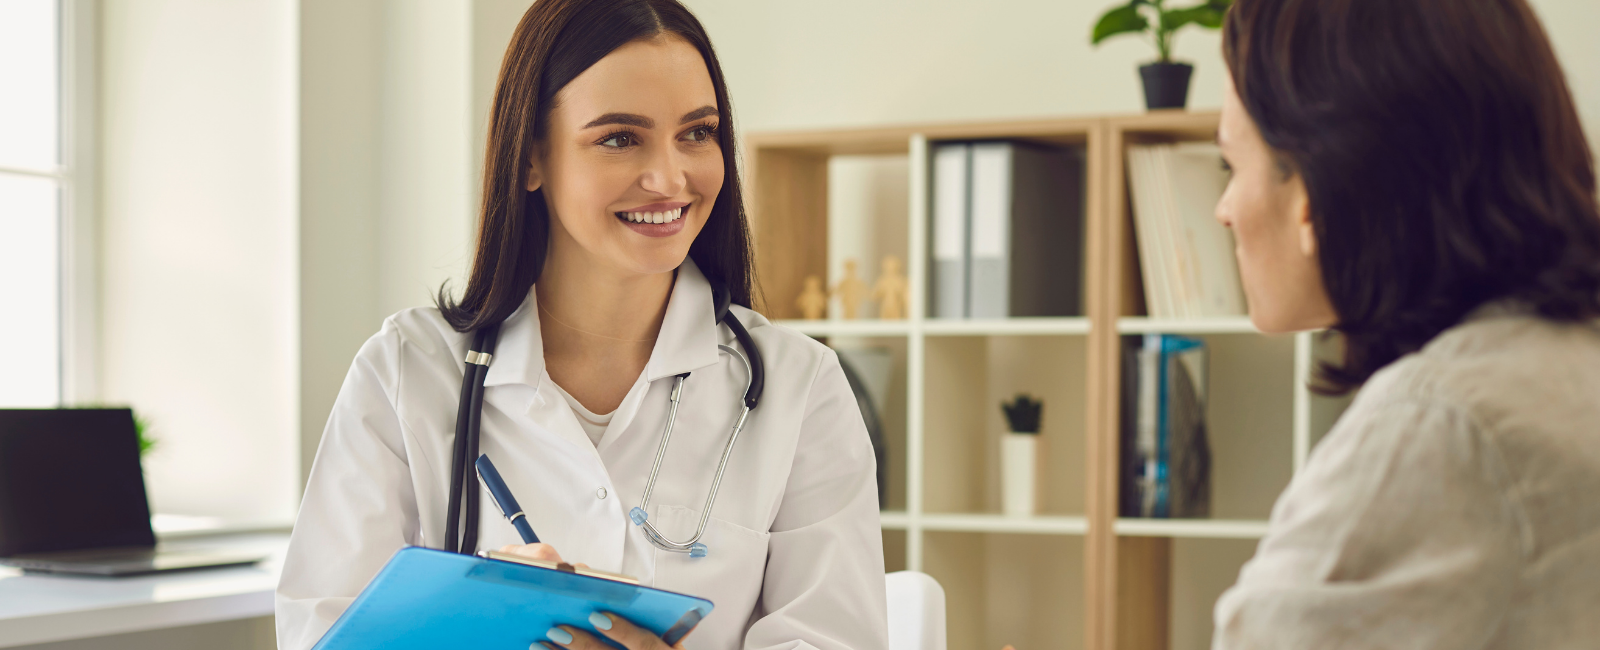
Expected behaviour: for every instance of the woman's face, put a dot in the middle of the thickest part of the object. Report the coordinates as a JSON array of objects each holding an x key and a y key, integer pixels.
[
  {"x": 631, "y": 165},
  {"x": 1267, "y": 208}
]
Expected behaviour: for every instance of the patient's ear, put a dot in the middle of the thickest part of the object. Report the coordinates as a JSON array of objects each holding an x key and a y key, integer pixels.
[
  {"x": 1302, "y": 219},
  {"x": 535, "y": 174}
]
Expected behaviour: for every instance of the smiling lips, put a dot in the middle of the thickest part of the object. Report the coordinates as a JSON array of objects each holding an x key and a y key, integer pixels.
[
  {"x": 664, "y": 216},
  {"x": 656, "y": 219}
]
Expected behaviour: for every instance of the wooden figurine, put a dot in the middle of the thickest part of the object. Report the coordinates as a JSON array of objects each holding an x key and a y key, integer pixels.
[
  {"x": 813, "y": 300},
  {"x": 892, "y": 291},
  {"x": 850, "y": 290}
]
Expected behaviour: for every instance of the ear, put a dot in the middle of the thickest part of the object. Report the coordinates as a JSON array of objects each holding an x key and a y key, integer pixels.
[
  {"x": 535, "y": 173},
  {"x": 1301, "y": 210}
]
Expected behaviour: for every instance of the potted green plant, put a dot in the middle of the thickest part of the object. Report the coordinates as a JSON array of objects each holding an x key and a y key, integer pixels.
[{"x": 1166, "y": 82}]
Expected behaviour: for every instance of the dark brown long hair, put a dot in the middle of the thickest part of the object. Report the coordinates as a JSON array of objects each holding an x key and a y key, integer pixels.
[
  {"x": 554, "y": 43},
  {"x": 1443, "y": 158}
]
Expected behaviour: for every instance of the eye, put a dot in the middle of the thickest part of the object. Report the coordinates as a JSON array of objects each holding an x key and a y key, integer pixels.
[
  {"x": 1225, "y": 166},
  {"x": 701, "y": 133},
  {"x": 620, "y": 140}
]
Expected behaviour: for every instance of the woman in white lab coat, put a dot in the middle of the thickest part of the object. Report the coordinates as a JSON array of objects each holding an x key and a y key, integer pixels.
[{"x": 611, "y": 205}]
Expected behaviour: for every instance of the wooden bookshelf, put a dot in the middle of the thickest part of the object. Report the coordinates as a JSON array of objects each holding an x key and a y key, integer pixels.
[{"x": 1076, "y": 575}]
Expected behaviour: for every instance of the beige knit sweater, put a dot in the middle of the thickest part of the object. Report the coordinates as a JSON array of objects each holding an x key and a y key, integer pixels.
[{"x": 1455, "y": 505}]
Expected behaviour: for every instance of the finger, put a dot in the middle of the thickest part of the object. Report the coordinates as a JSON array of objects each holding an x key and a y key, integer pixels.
[
  {"x": 629, "y": 635},
  {"x": 543, "y": 552},
  {"x": 581, "y": 565},
  {"x": 576, "y": 639}
]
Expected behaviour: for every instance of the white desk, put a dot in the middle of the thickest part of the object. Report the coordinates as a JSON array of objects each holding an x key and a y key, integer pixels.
[{"x": 40, "y": 609}]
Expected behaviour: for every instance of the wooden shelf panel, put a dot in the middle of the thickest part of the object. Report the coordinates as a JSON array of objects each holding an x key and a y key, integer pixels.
[
  {"x": 1196, "y": 528},
  {"x": 1143, "y": 325}
]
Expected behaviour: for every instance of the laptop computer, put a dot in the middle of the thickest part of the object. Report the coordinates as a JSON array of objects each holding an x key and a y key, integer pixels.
[{"x": 72, "y": 498}]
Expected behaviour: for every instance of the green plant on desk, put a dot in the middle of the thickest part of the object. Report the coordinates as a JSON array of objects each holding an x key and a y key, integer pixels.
[
  {"x": 141, "y": 427},
  {"x": 1135, "y": 18}
]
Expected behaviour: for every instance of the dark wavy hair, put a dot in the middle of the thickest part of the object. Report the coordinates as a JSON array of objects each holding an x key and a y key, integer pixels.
[
  {"x": 1443, "y": 159},
  {"x": 554, "y": 43}
]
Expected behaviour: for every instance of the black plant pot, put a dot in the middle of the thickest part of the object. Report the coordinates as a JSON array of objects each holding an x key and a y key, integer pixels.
[{"x": 1166, "y": 85}]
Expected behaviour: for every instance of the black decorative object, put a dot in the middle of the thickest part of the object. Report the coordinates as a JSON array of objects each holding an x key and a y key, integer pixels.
[
  {"x": 1166, "y": 85},
  {"x": 1022, "y": 414}
]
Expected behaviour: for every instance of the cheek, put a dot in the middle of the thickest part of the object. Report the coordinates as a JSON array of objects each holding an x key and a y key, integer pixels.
[
  {"x": 705, "y": 178},
  {"x": 580, "y": 192},
  {"x": 1263, "y": 244}
]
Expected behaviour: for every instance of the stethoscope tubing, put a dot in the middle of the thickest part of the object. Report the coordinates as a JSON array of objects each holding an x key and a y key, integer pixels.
[
  {"x": 462, "y": 536},
  {"x": 656, "y": 537}
]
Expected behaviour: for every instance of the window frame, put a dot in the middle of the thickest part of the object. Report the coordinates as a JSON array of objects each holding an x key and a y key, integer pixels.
[{"x": 77, "y": 224}]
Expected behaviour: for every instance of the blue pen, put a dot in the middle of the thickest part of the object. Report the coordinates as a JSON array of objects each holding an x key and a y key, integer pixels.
[{"x": 502, "y": 497}]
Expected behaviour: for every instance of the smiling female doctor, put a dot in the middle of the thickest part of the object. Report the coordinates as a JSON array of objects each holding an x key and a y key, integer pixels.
[{"x": 611, "y": 204}]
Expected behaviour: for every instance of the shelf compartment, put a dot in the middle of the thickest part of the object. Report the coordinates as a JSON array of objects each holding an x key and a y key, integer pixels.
[
  {"x": 894, "y": 550},
  {"x": 1202, "y": 569},
  {"x": 1192, "y": 528},
  {"x": 1250, "y": 390},
  {"x": 881, "y": 363},
  {"x": 1021, "y": 590},
  {"x": 965, "y": 379},
  {"x": 1029, "y": 326}
]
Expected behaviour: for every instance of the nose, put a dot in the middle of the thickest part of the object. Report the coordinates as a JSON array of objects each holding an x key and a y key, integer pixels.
[
  {"x": 1221, "y": 213},
  {"x": 664, "y": 172}
]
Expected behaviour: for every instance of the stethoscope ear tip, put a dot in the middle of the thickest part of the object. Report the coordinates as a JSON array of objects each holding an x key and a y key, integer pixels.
[
  {"x": 697, "y": 550},
  {"x": 638, "y": 516}
]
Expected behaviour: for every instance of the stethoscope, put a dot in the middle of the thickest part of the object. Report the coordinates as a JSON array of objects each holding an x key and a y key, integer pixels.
[{"x": 470, "y": 412}]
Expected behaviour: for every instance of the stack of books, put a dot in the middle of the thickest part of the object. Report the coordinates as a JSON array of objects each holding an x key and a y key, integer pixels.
[
  {"x": 1185, "y": 254},
  {"x": 1166, "y": 458},
  {"x": 1007, "y": 230}
]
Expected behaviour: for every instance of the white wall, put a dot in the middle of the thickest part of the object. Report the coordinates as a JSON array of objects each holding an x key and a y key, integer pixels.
[
  {"x": 391, "y": 148},
  {"x": 199, "y": 247},
  {"x": 849, "y": 63}
]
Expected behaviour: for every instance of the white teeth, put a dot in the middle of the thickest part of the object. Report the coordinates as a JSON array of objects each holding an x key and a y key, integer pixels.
[{"x": 654, "y": 217}]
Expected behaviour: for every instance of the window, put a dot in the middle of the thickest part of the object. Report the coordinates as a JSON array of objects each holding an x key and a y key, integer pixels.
[{"x": 32, "y": 183}]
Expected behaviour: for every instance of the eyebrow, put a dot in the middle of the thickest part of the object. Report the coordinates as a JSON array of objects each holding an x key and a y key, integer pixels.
[
  {"x": 630, "y": 119},
  {"x": 702, "y": 112}
]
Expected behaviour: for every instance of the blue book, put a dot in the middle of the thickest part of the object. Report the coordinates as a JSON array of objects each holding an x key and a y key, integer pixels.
[
  {"x": 426, "y": 599},
  {"x": 1181, "y": 479}
]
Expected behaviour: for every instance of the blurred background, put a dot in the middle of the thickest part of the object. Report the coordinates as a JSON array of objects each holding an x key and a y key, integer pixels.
[{"x": 206, "y": 206}]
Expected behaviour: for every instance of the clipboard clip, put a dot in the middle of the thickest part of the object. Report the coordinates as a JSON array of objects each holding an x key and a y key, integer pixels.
[{"x": 562, "y": 567}]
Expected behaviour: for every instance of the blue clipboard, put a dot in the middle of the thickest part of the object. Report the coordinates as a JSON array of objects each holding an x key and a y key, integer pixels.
[{"x": 426, "y": 599}]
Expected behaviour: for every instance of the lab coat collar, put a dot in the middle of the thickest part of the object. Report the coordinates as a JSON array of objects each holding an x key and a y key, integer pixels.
[{"x": 687, "y": 341}]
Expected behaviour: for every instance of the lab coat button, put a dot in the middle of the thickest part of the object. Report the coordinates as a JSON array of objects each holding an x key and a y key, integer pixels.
[{"x": 601, "y": 494}]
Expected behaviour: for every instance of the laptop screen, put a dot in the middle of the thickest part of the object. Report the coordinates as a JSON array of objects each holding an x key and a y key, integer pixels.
[{"x": 70, "y": 479}]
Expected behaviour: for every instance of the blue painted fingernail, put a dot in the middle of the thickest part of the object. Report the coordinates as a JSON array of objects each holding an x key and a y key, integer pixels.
[
  {"x": 600, "y": 621},
  {"x": 558, "y": 635}
]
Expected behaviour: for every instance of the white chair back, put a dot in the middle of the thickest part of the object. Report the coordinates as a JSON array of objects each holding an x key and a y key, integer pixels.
[{"x": 916, "y": 611}]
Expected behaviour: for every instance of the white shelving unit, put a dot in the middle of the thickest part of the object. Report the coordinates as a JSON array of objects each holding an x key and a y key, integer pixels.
[{"x": 1075, "y": 575}]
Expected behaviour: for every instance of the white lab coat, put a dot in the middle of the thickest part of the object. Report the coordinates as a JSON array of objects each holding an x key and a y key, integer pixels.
[{"x": 795, "y": 551}]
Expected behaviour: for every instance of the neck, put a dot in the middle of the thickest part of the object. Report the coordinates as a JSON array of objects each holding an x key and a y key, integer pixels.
[
  {"x": 585, "y": 304},
  {"x": 598, "y": 323}
]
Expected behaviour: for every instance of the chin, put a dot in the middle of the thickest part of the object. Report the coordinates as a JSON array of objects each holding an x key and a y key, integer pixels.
[
  {"x": 652, "y": 262},
  {"x": 1269, "y": 322}
]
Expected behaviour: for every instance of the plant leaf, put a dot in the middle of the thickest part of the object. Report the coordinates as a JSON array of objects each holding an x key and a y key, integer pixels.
[
  {"x": 1204, "y": 15},
  {"x": 1120, "y": 20}
]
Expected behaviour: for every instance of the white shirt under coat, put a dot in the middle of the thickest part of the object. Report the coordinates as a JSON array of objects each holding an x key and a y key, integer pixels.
[{"x": 795, "y": 550}]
